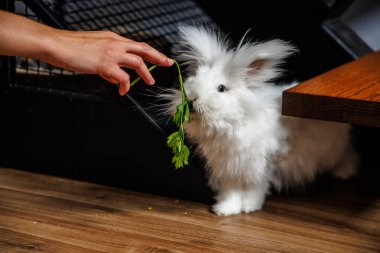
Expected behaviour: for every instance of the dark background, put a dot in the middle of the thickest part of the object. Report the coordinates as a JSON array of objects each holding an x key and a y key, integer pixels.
[
  {"x": 107, "y": 139},
  {"x": 296, "y": 21}
]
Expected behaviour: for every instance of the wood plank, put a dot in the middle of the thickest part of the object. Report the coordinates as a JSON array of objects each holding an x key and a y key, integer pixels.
[
  {"x": 349, "y": 93},
  {"x": 11, "y": 241},
  {"x": 45, "y": 214}
]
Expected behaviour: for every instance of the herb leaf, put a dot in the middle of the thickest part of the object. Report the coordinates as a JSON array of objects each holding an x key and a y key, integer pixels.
[
  {"x": 180, "y": 150},
  {"x": 176, "y": 141}
]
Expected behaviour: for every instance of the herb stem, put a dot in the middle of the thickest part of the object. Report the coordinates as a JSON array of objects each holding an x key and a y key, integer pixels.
[
  {"x": 184, "y": 97},
  {"x": 139, "y": 78}
]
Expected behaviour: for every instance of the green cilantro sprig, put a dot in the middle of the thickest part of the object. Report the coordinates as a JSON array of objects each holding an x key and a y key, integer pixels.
[{"x": 176, "y": 141}]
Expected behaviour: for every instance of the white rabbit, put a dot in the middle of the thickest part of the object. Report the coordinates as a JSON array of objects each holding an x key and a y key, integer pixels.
[{"x": 238, "y": 128}]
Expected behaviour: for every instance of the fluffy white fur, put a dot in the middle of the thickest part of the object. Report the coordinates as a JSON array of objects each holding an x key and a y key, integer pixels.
[{"x": 246, "y": 142}]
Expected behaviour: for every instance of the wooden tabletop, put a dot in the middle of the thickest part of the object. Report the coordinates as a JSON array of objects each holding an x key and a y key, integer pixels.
[
  {"x": 40, "y": 213},
  {"x": 349, "y": 93}
]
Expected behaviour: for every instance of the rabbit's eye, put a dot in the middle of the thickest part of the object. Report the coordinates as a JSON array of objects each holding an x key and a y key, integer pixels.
[{"x": 221, "y": 88}]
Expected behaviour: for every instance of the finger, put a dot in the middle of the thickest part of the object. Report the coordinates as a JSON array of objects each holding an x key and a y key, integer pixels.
[
  {"x": 137, "y": 63},
  {"x": 148, "y": 53},
  {"x": 118, "y": 76}
]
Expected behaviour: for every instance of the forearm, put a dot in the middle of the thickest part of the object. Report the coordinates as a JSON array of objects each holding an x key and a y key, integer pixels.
[{"x": 20, "y": 36}]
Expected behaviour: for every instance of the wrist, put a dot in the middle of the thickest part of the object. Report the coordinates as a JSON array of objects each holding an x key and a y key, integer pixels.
[{"x": 50, "y": 41}]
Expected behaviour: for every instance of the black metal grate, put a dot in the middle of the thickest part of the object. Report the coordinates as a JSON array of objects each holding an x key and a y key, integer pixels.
[{"x": 152, "y": 21}]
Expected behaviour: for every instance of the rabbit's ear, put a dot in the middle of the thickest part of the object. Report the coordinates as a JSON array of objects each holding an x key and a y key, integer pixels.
[
  {"x": 261, "y": 61},
  {"x": 199, "y": 45}
]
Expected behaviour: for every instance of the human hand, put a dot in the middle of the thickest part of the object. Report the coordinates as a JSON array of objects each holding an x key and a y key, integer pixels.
[
  {"x": 104, "y": 53},
  {"x": 99, "y": 52}
]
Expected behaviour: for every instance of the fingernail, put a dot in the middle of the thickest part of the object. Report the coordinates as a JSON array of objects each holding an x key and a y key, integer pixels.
[
  {"x": 152, "y": 81},
  {"x": 170, "y": 61}
]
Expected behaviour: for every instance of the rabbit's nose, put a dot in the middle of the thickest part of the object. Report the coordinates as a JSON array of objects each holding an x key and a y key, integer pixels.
[{"x": 194, "y": 99}]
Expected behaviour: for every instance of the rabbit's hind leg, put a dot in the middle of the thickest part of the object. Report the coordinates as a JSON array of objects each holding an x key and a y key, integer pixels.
[{"x": 348, "y": 165}]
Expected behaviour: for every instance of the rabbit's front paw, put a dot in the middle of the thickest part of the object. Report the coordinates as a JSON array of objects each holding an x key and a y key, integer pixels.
[
  {"x": 236, "y": 202},
  {"x": 252, "y": 202},
  {"x": 227, "y": 207}
]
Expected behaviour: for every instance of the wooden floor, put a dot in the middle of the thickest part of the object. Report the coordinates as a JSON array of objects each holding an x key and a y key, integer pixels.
[{"x": 39, "y": 213}]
